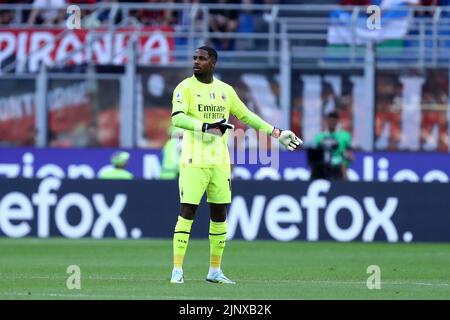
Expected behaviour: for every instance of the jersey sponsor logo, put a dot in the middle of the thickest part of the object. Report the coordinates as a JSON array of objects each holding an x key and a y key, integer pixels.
[
  {"x": 212, "y": 112},
  {"x": 214, "y": 115},
  {"x": 210, "y": 108}
]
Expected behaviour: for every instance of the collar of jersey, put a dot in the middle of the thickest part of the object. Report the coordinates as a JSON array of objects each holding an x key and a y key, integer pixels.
[{"x": 202, "y": 83}]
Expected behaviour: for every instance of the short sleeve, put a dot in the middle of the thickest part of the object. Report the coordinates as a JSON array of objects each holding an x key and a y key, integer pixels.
[
  {"x": 318, "y": 138},
  {"x": 180, "y": 99},
  {"x": 348, "y": 139}
]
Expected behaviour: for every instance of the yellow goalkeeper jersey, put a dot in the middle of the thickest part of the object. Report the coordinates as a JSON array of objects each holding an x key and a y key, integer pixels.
[{"x": 207, "y": 103}]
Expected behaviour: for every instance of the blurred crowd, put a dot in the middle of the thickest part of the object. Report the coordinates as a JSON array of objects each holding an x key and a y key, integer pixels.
[
  {"x": 392, "y": 3},
  {"x": 388, "y": 3},
  {"x": 53, "y": 13}
]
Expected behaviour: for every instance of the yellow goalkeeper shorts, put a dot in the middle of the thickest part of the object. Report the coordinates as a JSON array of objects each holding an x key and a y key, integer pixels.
[{"x": 193, "y": 182}]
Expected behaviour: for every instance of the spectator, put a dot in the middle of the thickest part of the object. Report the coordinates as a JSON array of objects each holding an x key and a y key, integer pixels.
[
  {"x": 107, "y": 15},
  {"x": 11, "y": 15},
  {"x": 6, "y": 17},
  {"x": 156, "y": 17},
  {"x": 427, "y": 3},
  {"x": 334, "y": 145},
  {"x": 119, "y": 160},
  {"x": 246, "y": 25},
  {"x": 223, "y": 20},
  {"x": 183, "y": 17},
  {"x": 183, "y": 20},
  {"x": 47, "y": 12}
]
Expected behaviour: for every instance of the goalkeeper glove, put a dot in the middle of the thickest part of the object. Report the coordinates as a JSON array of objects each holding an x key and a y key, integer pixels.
[
  {"x": 217, "y": 128},
  {"x": 287, "y": 138}
]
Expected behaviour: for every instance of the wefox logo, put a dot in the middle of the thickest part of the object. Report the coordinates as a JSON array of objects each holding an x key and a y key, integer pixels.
[
  {"x": 283, "y": 214},
  {"x": 17, "y": 206}
]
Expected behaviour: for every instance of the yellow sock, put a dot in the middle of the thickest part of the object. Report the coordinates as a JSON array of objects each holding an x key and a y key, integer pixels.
[
  {"x": 180, "y": 240},
  {"x": 217, "y": 241}
]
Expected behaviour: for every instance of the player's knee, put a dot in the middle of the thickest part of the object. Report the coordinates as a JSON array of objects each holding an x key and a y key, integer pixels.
[
  {"x": 187, "y": 211},
  {"x": 218, "y": 212}
]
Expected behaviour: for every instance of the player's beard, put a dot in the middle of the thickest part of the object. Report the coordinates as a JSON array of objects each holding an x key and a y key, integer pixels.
[
  {"x": 199, "y": 73},
  {"x": 203, "y": 75}
]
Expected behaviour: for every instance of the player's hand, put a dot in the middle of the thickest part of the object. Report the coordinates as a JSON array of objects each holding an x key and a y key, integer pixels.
[
  {"x": 217, "y": 128},
  {"x": 288, "y": 139}
]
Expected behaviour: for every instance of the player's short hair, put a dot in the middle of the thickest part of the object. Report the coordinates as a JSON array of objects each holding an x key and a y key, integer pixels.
[
  {"x": 211, "y": 51},
  {"x": 333, "y": 114}
]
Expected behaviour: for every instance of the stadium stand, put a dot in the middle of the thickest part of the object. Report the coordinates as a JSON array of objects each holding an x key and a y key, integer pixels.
[{"x": 326, "y": 37}]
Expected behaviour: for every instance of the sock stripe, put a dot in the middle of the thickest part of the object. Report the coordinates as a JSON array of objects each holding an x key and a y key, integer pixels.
[
  {"x": 217, "y": 234},
  {"x": 182, "y": 232}
]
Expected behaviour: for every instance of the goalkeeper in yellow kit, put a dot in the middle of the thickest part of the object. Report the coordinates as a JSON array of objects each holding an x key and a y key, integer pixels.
[{"x": 201, "y": 106}]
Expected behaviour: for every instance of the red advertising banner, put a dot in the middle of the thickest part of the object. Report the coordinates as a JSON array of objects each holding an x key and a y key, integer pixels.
[{"x": 30, "y": 47}]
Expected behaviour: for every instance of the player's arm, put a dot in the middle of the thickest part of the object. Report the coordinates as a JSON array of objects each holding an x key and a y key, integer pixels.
[
  {"x": 286, "y": 137},
  {"x": 180, "y": 106},
  {"x": 348, "y": 152},
  {"x": 318, "y": 139},
  {"x": 180, "y": 119}
]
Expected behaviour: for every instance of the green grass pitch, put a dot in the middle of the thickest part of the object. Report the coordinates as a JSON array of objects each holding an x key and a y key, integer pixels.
[{"x": 140, "y": 269}]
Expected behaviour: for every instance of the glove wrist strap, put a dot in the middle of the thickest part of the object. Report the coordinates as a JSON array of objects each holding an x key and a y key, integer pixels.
[{"x": 276, "y": 133}]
